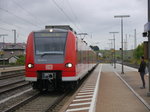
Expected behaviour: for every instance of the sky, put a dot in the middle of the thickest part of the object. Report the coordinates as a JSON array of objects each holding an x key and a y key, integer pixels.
[{"x": 94, "y": 17}]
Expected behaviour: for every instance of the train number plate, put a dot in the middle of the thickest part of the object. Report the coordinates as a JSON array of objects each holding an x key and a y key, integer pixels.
[{"x": 49, "y": 67}]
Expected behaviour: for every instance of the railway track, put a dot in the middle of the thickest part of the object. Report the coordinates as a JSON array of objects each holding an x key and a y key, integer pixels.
[
  {"x": 38, "y": 102},
  {"x": 13, "y": 86},
  {"x": 42, "y": 102}
]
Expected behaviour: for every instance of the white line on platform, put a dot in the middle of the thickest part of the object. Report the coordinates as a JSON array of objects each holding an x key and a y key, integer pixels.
[
  {"x": 82, "y": 99},
  {"x": 93, "y": 85},
  {"x": 6, "y": 99},
  {"x": 136, "y": 94},
  {"x": 87, "y": 88},
  {"x": 77, "y": 109},
  {"x": 79, "y": 104},
  {"x": 85, "y": 93},
  {"x": 84, "y": 96},
  {"x": 94, "y": 99}
]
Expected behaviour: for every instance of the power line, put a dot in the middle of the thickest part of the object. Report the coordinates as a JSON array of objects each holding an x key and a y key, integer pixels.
[
  {"x": 10, "y": 23},
  {"x": 19, "y": 27},
  {"x": 65, "y": 14},
  {"x": 10, "y": 30},
  {"x": 73, "y": 13},
  {"x": 29, "y": 13},
  {"x": 5, "y": 29},
  {"x": 4, "y": 10}
]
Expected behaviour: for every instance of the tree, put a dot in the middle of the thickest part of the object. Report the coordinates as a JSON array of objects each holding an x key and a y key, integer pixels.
[
  {"x": 139, "y": 51},
  {"x": 95, "y": 48},
  {"x": 21, "y": 60}
]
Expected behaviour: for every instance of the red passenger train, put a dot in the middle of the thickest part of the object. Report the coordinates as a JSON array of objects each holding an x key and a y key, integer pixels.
[{"x": 56, "y": 58}]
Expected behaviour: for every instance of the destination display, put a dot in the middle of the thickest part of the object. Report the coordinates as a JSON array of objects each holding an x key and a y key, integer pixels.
[{"x": 53, "y": 34}]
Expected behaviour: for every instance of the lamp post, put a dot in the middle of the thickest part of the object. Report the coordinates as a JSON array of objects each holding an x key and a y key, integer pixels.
[
  {"x": 111, "y": 49},
  {"x": 122, "y": 16},
  {"x": 114, "y": 47}
]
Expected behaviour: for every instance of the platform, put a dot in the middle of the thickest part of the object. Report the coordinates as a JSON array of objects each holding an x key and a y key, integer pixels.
[
  {"x": 106, "y": 91},
  {"x": 114, "y": 95},
  {"x": 8, "y": 69}
]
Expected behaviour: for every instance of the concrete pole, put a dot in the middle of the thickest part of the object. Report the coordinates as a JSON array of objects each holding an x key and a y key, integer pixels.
[
  {"x": 148, "y": 94},
  {"x": 134, "y": 38},
  {"x": 114, "y": 48},
  {"x": 122, "y": 16},
  {"x": 14, "y": 36},
  {"x": 114, "y": 52},
  {"x": 122, "y": 45}
]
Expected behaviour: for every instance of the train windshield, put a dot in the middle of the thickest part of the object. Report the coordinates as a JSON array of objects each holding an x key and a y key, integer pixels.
[{"x": 49, "y": 45}]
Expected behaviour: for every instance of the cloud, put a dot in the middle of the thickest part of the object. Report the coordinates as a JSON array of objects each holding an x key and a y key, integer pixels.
[{"x": 94, "y": 17}]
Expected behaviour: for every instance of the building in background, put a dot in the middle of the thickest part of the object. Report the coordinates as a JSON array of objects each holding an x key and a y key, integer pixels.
[{"x": 9, "y": 52}]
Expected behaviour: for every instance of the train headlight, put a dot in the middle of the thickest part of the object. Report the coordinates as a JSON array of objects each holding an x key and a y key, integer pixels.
[
  {"x": 30, "y": 65},
  {"x": 51, "y": 30},
  {"x": 69, "y": 65}
]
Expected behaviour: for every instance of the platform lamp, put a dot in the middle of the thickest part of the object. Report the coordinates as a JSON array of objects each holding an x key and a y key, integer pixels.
[
  {"x": 114, "y": 47},
  {"x": 122, "y": 16}
]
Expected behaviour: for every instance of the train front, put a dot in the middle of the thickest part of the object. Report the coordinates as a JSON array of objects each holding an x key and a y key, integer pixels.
[{"x": 47, "y": 60}]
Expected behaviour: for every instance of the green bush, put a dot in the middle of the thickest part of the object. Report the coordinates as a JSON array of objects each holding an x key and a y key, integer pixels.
[{"x": 21, "y": 60}]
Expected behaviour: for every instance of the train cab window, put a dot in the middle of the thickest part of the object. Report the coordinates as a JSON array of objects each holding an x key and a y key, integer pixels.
[
  {"x": 50, "y": 43},
  {"x": 49, "y": 47}
]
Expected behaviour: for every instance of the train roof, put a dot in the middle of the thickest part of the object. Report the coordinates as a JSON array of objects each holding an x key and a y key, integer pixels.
[
  {"x": 60, "y": 27},
  {"x": 65, "y": 27},
  {"x": 53, "y": 30}
]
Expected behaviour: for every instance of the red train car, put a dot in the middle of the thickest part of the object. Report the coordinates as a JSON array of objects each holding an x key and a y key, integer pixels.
[{"x": 56, "y": 58}]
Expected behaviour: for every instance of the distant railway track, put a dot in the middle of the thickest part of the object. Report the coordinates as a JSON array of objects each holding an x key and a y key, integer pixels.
[
  {"x": 11, "y": 74},
  {"x": 131, "y": 65}
]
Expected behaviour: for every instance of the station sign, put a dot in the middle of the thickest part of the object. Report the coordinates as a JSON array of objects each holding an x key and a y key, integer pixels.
[
  {"x": 147, "y": 27},
  {"x": 146, "y": 32}
]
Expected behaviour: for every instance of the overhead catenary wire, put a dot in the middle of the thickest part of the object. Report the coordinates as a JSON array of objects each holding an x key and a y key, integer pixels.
[
  {"x": 10, "y": 30},
  {"x": 71, "y": 9},
  {"x": 5, "y": 29},
  {"x": 11, "y": 13},
  {"x": 29, "y": 13},
  {"x": 65, "y": 14},
  {"x": 9, "y": 23}
]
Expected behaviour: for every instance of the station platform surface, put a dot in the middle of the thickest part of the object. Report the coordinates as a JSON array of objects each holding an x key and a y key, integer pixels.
[
  {"x": 116, "y": 92},
  {"x": 115, "y": 96}
]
